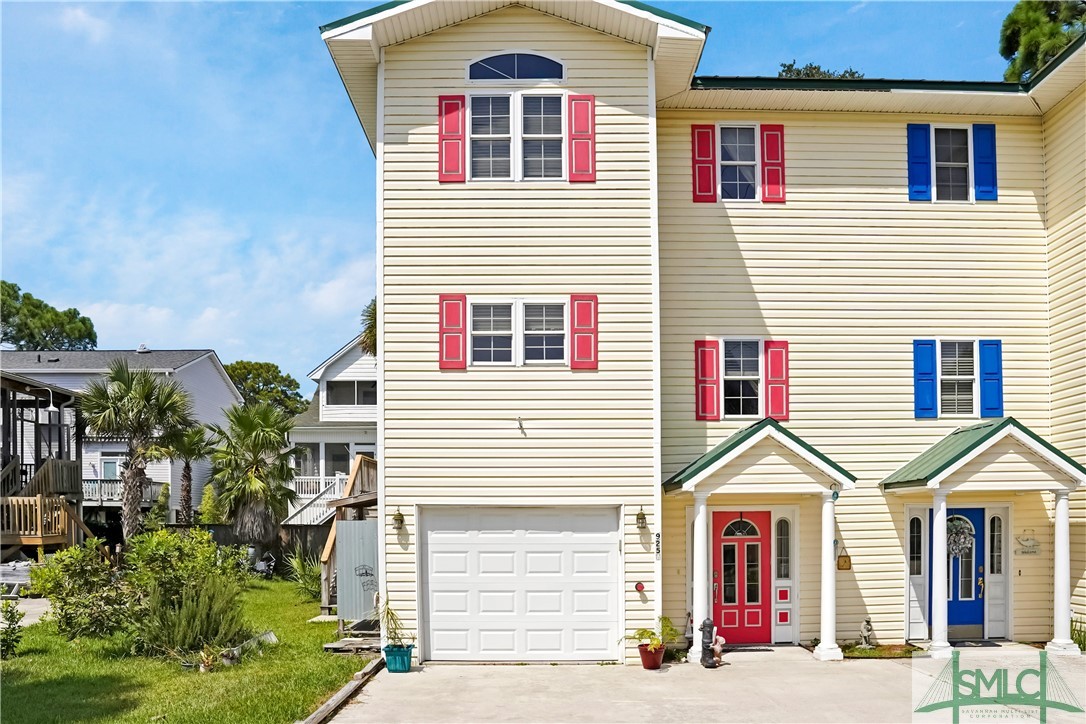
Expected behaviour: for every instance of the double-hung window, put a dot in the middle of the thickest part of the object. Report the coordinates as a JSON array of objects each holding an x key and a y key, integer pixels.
[
  {"x": 953, "y": 180},
  {"x": 520, "y": 332},
  {"x": 739, "y": 163},
  {"x": 517, "y": 136},
  {"x": 742, "y": 377},
  {"x": 957, "y": 378},
  {"x": 351, "y": 392}
]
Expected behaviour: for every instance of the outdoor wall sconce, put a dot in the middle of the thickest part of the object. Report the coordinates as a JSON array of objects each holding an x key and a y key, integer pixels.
[
  {"x": 835, "y": 489},
  {"x": 642, "y": 520},
  {"x": 397, "y": 520}
]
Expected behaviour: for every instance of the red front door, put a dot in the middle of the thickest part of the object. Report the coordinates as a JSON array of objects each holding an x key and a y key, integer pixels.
[{"x": 741, "y": 605}]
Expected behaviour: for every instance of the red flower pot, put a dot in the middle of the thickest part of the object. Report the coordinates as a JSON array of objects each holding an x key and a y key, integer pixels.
[{"x": 650, "y": 659}]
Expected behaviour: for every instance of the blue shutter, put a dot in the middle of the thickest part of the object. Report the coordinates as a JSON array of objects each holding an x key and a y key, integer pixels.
[
  {"x": 991, "y": 378},
  {"x": 925, "y": 400},
  {"x": 984, "y": 162},
  {"x": 919, "y": 162}
]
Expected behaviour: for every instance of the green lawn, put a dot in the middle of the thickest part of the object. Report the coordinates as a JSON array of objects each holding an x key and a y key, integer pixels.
[{"x": 53, "y": 680}]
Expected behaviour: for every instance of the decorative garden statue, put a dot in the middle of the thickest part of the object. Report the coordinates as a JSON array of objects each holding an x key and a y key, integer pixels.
[
  {"x": 867, "y": 632},
  {"x": 707, "y": 629}
]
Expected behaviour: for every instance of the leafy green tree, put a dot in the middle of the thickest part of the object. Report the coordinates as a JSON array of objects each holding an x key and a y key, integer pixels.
[
  {"x": 189, "y": 446},
  {"x": 146, "y": 410},
  {"x": 368, "y": 343},
  {"x": 265, "y": 382},
  {"x": 158, "y": 514},
  {"x": 27, "y": 322},
  {"x": 811, "y": 70},
  {"x": 1036, "y": 31},
  {"x": 252, "y": 469},
  {"x": 211, "y": 512}
]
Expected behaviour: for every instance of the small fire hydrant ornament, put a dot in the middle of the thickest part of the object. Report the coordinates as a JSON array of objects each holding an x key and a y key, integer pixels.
[{"x": 708, "y": 659}]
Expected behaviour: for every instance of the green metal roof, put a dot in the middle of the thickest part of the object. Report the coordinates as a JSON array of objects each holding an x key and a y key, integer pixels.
[
  {"x": 645, "y": 7},
  {"x": 738, "y": 438},
  {"x": 952, "y": 448}
]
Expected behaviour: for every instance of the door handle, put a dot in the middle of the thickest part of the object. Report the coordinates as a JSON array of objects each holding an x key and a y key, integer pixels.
[
  {"x": 715, "y": 587},
  {"x": 980, "y": 582}
]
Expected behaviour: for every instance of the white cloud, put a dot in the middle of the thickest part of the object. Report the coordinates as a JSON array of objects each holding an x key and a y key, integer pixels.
[
  {"x": 351, "y": 288},
  {"x": 80, "y": 22},
  {"x": 857, "y": 8}
]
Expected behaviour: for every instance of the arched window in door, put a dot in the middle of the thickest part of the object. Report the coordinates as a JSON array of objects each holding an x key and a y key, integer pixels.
[{"x": 740, "y": 528}]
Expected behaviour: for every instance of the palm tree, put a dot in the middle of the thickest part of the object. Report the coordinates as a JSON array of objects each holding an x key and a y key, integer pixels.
[
  {"x": 1035, "y": 31},
  {"x": 189, "y": 446},
  {"x": 146, "y": 410},
  {"x": 368, "y": 343},
  {"x": 252, "y": 468}
]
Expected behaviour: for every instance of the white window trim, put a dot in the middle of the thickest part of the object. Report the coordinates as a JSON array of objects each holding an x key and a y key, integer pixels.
[
  {"x": 518, "y": 331},
  {"x": 492, "y": 82},
  {"x": 968, "y": 128},
  {"x": 516, "y": 135},
  {"x": 761, "y": 378},
  {"x": 328, "y": 397},
  {"x": 757, "y": 161},
  {"x": 975, "y": 415}
]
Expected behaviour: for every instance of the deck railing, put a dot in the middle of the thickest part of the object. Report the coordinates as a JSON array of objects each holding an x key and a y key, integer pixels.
[
  {"x": 99, "y": 492},
  {"x": 306, "y": 486},
  {"x": 56, "y": 477},
  {"x": 38, "y": 520}
]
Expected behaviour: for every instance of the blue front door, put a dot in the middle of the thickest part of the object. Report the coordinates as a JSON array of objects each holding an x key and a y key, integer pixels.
[{"x": 965, "y": 573}]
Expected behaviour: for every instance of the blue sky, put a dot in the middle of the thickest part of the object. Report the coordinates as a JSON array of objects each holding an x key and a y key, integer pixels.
[{"x": 192, "y": 175}]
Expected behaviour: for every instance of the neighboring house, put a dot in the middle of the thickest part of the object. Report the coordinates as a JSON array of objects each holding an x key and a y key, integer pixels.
[
  {"x": 199, "y": 371},
  {"x": 340, "y": 423},
  {"x": 782, "y": 353}
]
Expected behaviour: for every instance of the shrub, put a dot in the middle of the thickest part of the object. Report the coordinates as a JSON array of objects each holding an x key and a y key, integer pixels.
[
  {"x": 86, "y": 597},
  {"x": 159, "y": 512},
  {"x": 211, "y": 510},
  {"x": 306, "y": 574},
  {"x": 172, "y": 561},
  {"x": 207, "y": 615},
  {"x": 12, "y": 630},
  {"x": 1078, "y": 632}
]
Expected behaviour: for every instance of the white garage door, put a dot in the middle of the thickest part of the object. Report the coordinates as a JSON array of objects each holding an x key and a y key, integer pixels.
[{"x": 521, "y": 584}]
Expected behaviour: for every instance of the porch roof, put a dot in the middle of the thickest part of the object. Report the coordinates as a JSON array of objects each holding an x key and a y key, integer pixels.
[
  {"x": 943, "y": 458},
  {"x": 744, "y": 439}
]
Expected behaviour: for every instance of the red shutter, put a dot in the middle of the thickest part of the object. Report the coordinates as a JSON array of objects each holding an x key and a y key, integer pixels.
[
  {"x": 582, "y": 138},
  {"x": 773, "y": 164},
  {"x": 703, "y": 161},
  {"x": 451, "y": 121},
  {"x": 584, "y": 329},
  {"x": 452, "y": 331},
  {"x": 776, "y": 379},
  {"x": 706, "y": 379}
]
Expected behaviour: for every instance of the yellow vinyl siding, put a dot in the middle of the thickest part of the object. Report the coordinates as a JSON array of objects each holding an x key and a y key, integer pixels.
[
  {"x": 850, "y": 272},
  {"x": 453, "y": 437},
  {"x": 1065, "y": 170}
]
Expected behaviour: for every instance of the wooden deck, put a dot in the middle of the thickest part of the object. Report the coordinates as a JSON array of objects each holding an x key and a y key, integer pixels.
[{"x": 40, "y": 520}]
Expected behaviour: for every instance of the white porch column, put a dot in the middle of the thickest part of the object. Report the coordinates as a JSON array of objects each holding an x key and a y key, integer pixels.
[
  {"x": 1061, "y": 643},
  {"x": 827, "y": 649},
  {"x": 700, "y": 605},
  {"x": 940, "y": 648},
  {"x": 320, "y": 461}
]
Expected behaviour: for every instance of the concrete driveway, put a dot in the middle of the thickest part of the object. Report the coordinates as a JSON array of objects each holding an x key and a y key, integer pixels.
[{"x": 775, "y": 685}]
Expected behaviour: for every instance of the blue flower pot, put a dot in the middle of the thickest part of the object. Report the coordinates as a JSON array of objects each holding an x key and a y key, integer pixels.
[{"x": 398, "y": 658}]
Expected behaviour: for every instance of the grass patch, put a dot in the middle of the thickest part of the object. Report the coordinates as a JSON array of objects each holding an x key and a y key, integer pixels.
[
  {"x": 53, "y": 680},
  {"x": 885, "y": 651}
]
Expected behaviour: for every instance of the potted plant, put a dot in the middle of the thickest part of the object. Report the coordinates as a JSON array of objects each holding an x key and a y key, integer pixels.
[
  {"x": 397, "y": 650},
  {"x": 207, "y": 659},
  {"x": 653, "y": 642}
]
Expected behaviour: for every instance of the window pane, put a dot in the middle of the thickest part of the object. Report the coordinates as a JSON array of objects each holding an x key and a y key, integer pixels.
[
  {"x": 965, "y": 575},
  {"x": 490, "y": 115},
  {"x": 338, "y": 458},
  {"x": 740, "y": 397},
  {"x": 784, "y": 548},
  {"x": 728, "y": 592},
  {"x": 951, "y": 145},
  {"x": 307, "y": 461},
  {"x": 367, "y": 393},
  {"x": 496, "y": 67},
  {"x": 340, "y": 393},
  {"x": 739, "y": 527},
  {"x": 956, "y": 397},
  {"x": 754, "y": 573},
  {"x": 737, "y": 145},
  {"x": 492, "y": 318},
  {"x": 490, "y": 159},
  {"x": 995, "y": 546},
  {"x": 952, "y": 183},
  {"x": 544, "y": 347},
  {"x": 916, "y": 561},
  {"x": 543, "y": 159},
  {"x": 956, "y": 359},
  {"x": 740, "y": 359},
  {"x": 544, "y": 317},
  {"x": 536, "y": 67},
  {"x": 491, "y": 348}
]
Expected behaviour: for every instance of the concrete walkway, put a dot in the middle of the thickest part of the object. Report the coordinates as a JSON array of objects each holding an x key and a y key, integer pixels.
[{"x": 775, "y": 685}]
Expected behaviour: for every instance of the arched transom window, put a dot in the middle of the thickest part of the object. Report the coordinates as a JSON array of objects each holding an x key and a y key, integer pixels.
[
  {"x": 740, "y": 527},
  {"x": 515, "y": 66}
]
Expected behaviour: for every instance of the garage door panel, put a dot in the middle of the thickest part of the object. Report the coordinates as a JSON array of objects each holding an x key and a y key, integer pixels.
[{"x": 522, "y": 584}]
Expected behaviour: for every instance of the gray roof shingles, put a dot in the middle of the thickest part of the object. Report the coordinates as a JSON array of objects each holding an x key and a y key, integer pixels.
[{"x": 97, "y": 360}]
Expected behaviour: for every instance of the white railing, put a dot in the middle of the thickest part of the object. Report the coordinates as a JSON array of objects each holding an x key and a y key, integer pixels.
[
  {"x": 306, "y": 486},
  {"x": 112, "y": 491},
  {"x": 314, "y": 510}
]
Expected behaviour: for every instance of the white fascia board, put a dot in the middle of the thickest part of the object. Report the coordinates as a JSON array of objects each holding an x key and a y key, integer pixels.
[
  {"x": 371, "y": 19},
  {"x": 315, "y": 375},
  {"x": 670, "y": 27},
  {"x": 1030, "y": 444},
  {"x": 844, "y": 481}
]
